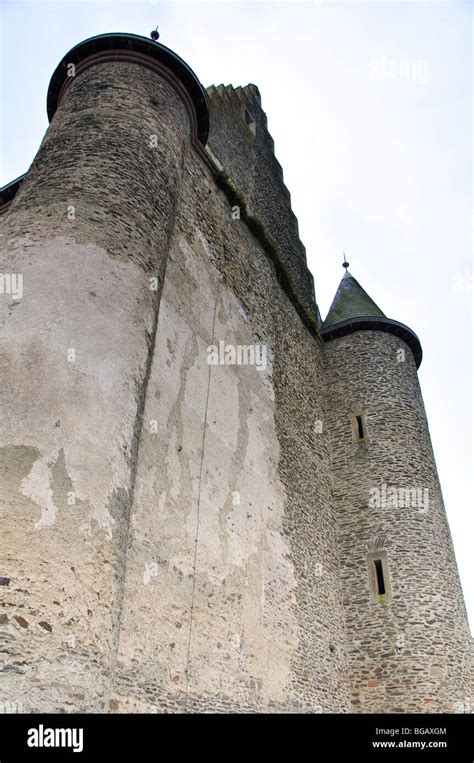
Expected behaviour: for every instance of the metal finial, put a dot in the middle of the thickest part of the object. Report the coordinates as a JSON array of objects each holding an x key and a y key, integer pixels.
[
  {"x": 345, "y": 264},
  {"x": 155, "y": 34}
]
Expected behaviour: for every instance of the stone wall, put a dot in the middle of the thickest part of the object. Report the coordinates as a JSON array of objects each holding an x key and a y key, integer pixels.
[
  {"x": 233, "y": 538},
  {"x": 88, "y": 228},
  {"x": 240, "y": 140},
  {"x": 196, "y": 568},
  {"x": 409, "y": 652}
]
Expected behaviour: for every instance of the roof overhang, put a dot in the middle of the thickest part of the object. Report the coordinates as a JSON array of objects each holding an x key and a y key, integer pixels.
[
  {"x": 133, "y": 47},
  {"x": 8, "y": 193},
  {"x": 118, "y": 46},
  {"x": 369, "y": 323}
]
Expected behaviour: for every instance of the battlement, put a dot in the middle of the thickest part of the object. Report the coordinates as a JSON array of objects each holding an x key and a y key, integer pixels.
[
  {"x": 239, "y": 146},
  {"x": 240, "y": 142}
]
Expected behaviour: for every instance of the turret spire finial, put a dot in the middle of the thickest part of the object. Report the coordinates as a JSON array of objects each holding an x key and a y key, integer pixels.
[
  {"x": 155, "y": 34},
  {"x": 345, "y": 264}
]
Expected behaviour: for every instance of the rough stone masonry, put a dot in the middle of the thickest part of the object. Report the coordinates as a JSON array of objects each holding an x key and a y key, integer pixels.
[{"x": 180, "y": 535}]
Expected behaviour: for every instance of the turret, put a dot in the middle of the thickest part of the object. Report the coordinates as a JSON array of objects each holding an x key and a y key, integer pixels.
[
  {"x": 88, "y": 233},
  {"x": 406, "y": 625}
]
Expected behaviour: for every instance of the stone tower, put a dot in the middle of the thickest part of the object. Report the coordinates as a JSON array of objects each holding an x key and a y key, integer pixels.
[
  {"x": 185, "y": 508},
  {"x": 408, "y": 640}
]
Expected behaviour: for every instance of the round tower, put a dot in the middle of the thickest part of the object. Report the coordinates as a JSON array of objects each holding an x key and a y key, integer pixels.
[
  {"x": 84, "y": 244},
  {"x": 407, "y": 632}
]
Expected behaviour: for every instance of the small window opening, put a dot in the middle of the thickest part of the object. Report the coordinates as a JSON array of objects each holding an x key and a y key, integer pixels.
[
  {"x": 359, "y": 427},
  {"x": 249, "y": 120},
  {"x": 380, "y": 587},
  {"x": 380, "y": 577}
]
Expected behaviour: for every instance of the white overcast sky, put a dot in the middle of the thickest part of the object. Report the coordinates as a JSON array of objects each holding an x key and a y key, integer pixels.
[{"x": 370, "y": 106}]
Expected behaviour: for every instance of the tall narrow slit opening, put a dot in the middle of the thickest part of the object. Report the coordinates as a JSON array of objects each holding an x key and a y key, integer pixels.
[{"x": 379, "y": 577}]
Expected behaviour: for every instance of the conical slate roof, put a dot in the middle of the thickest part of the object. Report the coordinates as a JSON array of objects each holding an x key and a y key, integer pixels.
[
  {"x": 351, "y": 301},
  {"x": 353, "y": 310}
]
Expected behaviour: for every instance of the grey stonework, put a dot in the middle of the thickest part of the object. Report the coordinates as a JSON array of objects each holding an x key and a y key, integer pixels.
[
  {"x": 73, "y": 426},
  {"x": 215, "y": 554},
  {"x": 250, "y": 161},
  {"x": 409, "y": 653}
]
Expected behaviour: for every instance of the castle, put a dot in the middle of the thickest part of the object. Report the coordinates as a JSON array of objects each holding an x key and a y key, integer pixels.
[{"x": 212, "y": 500}]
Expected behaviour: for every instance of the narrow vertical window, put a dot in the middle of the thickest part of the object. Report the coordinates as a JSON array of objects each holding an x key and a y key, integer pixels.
[
  {"x": 359, "y": 427},
  {"x": 379, "y": 577},
  {"x": 380, "y": 588},
  {"x": 250, "y": 122}
]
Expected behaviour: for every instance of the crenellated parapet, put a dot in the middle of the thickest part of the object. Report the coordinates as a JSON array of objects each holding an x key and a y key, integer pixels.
[{"x": 240, "y": 141}]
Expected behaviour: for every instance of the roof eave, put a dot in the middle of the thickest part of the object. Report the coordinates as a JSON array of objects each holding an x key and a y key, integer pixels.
[{"x": 371, "y": 323}]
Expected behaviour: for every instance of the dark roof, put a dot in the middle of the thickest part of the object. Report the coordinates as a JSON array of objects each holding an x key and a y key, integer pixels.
[
  {"x": 8, "y": 192},
  {"x": 116, "y": 41},
  {"x": 351, "y": 301},
  {"x": 353, "y": 310}
]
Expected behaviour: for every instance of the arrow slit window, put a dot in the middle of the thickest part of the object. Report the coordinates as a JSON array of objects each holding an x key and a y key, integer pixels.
[
  {"x": 359, "y": 427},
  {"x": 379, "y": 576}
]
